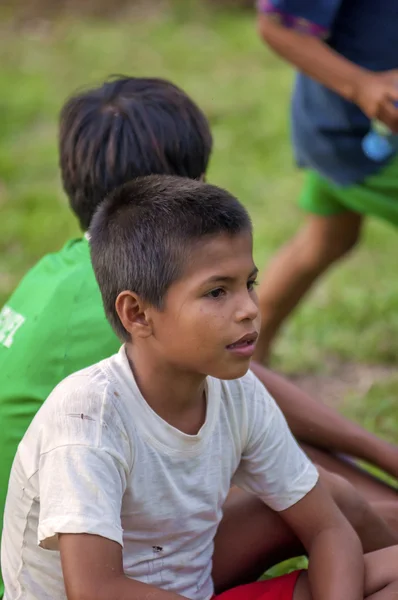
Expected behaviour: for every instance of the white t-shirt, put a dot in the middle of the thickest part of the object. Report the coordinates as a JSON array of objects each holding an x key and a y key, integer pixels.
[{"x": 98, "y": 460}]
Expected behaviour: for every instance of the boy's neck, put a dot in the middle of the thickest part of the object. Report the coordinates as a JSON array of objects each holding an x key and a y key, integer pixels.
[{"x": 176, "y": 396}]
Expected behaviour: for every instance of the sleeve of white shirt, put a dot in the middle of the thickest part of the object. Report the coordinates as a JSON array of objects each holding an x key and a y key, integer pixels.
[
  {"x": 83, "y": 468},
  {"x": 273, "y": 466},
  {"x": 81, "y": 491}
]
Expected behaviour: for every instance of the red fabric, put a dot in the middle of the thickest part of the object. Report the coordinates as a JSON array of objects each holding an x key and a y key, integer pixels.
[{"x": 279, "y": 588}]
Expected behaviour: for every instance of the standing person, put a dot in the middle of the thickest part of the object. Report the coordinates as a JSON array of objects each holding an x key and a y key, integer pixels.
[
  {"x": 118, "y": 487},
  {"x": 347, "y": 57}
]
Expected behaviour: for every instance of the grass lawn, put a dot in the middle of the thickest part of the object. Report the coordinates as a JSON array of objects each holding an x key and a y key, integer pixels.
[{"x": 351, "y": 316}]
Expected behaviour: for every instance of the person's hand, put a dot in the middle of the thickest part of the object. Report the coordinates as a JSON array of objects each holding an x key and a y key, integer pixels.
[{"x": 376, "y": 94}]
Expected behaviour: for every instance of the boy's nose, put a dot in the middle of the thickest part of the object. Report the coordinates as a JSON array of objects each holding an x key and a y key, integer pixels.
[{"x": 248, "y": 308}]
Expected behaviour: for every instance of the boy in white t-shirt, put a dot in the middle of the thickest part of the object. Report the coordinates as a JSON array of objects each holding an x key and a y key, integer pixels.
[{"x": 118, "y": 486}]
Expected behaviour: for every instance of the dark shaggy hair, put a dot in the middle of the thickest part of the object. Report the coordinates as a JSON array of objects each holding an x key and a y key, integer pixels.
[
  {"x": 141, "y": 235},
  {"x": 129, "y": 127}
]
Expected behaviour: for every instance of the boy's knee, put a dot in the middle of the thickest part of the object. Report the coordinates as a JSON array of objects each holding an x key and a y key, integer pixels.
[{"x": 350, "y": 502}]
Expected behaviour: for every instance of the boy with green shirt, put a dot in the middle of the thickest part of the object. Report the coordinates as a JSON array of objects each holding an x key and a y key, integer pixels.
[{"x": 54, "y": 323}]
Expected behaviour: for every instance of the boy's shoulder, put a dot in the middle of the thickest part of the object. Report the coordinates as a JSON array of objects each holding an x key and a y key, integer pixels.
[
  {"x": 86, "y": 414},
  {"x": 91, "y": 388},
  {"x": 82, "y": 393},
  {"x": 92, "y": 381},
  {"x": 86, "y": 408},
  {"x": 58, "y": 303},
  {"x": 65, "y": 267},
  {"x": 53, "y": 281}
]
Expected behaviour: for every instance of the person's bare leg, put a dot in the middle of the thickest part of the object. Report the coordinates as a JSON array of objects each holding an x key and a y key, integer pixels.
[
  {"x": 370, "y": 520},
  {"x": 327, "y": 434},
  {"x": 302, "y": 588},
  {"x": 371, "y": 488},
  {"x": 381, "y": 574},
  {"x": 291, "y": 273},
  {"x": 389, "y": 512},
  {"x": 381, "y": 577},
  {"x": 251, "y": 537},
  {"x": 389, "y": 592}
]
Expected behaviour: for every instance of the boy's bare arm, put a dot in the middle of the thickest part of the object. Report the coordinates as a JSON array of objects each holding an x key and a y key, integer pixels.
[
  {"x": 374, "y": 93},
  {"x": 318, "y": 425},
  {"x": 336, "y": 562},
  {"x": 93, "y": 570}
]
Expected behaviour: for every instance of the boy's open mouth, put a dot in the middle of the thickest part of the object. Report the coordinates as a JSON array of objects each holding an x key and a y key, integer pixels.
[{"x": 247, "y": 340}]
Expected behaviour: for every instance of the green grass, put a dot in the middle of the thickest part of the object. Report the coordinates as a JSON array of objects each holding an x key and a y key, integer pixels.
[{"x": 351, "y": 315}]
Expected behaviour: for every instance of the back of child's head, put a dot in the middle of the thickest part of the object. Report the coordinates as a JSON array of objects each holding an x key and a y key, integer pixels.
[
  {"x": 142, "y": 234},
  {"x": 129, "y": 127}
]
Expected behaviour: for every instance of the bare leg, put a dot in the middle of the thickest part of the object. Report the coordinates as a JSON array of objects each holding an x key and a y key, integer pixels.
[
  {"x": 389, "y": 512},
  {"x": 381, "y": 572},
  {"x": 374, "y": 490},
  {"x": 370, "y": 521},
  {"x": 381, "y": 577},
  {"x": 326, "y": 433},
  {"x": 389, "y": 592},
  {"x": 302, "y": 589},
  {"x": 251, "y": 537},
  {"x": 294, "y": 269}
]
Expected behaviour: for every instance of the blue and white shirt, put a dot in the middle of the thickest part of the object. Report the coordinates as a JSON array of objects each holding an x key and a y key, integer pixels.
[{"x": 327, "y": 130}]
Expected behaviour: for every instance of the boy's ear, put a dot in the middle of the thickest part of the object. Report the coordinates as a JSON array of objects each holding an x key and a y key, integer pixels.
[{"x": 132, "y": 313}]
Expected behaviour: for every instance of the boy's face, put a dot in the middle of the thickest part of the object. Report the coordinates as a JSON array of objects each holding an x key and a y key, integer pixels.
[{"x": 210, "y": 320}]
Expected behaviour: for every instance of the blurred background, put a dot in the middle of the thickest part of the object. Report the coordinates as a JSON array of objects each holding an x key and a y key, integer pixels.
[{"x": 342, "y": 343}]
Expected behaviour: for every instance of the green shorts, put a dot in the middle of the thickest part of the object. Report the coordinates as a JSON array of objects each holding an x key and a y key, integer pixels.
[{"x": 376, "y": 196}]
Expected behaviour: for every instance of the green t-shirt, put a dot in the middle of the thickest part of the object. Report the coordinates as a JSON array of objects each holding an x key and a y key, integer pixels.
[{"x": 53, "y": 325}]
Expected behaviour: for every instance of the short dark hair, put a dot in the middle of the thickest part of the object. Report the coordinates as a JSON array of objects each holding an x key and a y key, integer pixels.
[
  {"x": 141, "y": 234},
  {"x": 129, "y": 127}
]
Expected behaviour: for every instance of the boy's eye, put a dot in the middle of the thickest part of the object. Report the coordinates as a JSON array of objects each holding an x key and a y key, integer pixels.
[
  {"x": 251, "y": 284},
  {"x": 217, "y": 293}
]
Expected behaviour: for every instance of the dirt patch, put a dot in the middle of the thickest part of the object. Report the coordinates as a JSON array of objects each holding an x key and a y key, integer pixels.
[{"x": 342, "y": 379}]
